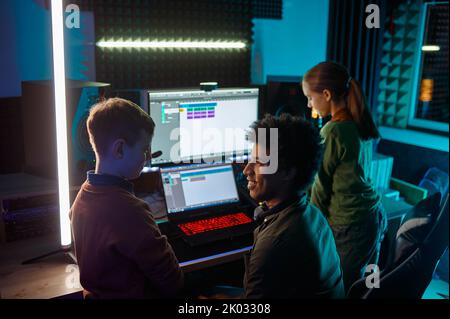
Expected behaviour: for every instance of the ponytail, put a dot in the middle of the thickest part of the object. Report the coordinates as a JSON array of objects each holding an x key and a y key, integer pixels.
[
  {"x": 356, "y": 104},
  {"x": 335, "y": 77}
]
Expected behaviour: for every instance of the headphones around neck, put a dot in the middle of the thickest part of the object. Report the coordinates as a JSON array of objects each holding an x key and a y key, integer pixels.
[{"x": 262, "y": 208}]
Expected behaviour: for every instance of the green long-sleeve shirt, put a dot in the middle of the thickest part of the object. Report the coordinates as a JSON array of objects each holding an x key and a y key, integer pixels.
[{"x": 342, "y": 189}]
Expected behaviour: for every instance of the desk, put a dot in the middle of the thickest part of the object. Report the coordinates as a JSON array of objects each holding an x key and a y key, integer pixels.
[
  {"x": 395, "y": 208},
  {"x": 51, "y": 277},
  {"x": 57, "y": 276}
]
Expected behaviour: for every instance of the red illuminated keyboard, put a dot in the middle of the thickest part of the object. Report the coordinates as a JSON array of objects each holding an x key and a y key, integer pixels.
[{"x": 204, "y": 225}]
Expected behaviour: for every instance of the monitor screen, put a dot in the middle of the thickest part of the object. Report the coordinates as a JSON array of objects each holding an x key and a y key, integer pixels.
[
  {"x": 285, "y": 95},
  {"x": 198, "y": 186},
  {"x": 193, "y": 125}
]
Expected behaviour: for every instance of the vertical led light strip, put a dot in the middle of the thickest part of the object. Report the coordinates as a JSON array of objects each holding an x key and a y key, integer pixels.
[{"x": 59, "y": 78}]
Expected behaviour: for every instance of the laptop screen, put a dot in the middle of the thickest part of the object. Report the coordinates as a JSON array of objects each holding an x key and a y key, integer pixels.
[{"x": 198, "y": 186}]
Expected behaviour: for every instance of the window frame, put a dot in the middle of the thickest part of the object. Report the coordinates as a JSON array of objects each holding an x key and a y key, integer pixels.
[{"x": 413, "y": 121}]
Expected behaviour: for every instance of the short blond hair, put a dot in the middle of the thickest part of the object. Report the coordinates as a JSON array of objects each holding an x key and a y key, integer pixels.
[{"x": 116, "y": 118}]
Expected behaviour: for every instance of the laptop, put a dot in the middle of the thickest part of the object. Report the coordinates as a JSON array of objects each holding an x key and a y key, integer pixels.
[{"x": 203, "y": 203}]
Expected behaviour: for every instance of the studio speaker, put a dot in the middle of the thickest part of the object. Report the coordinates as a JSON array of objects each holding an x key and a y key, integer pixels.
[{"x": 38, "y": 117}]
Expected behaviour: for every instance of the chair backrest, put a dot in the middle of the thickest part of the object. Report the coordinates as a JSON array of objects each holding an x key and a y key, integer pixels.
[
  {"x": 410, "y": 277},
  {"x": 415, "y": 227},
  {"x": 435, "y": 180}
]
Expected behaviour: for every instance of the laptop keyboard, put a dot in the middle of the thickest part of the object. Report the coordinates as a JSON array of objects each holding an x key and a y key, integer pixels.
[{"x": 204, "y": 225}]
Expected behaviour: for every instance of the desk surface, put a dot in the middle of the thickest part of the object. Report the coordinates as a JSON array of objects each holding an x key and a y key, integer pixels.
[
  {"x": 47, "y": 278},
  {"x": 394, "y": 208}
]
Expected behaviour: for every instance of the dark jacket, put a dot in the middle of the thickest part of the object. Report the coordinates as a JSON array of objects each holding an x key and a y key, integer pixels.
[
  {"x": 293, "y": 256},
  {"x": 119, "y": 248}
]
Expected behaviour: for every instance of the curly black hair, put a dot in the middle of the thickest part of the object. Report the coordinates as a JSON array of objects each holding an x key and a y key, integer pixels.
[{"x": 299, "y": 145}]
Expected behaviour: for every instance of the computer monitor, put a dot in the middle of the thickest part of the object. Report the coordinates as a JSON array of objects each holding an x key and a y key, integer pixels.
[
  {"x": 193, "y": 124},
  {"x": 198, "y": 186},
  {"x": 284, "y": 95}
]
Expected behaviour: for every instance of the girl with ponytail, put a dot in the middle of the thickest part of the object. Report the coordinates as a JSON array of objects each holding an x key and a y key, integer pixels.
[{"x": 342, "y": 189}]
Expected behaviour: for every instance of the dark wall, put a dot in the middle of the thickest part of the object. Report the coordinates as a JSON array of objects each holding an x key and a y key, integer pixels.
[
  {"x": 411, "y": 162},
  {"x": 353, "y": 44},
  {"x": 11, "y": 136},
  {"x": 171, "y": 20}
]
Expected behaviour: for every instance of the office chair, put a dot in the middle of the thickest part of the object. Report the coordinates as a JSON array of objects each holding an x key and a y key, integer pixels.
[
  {"x": 411, "y": 266},
  {"x": 435, "y": 180}
]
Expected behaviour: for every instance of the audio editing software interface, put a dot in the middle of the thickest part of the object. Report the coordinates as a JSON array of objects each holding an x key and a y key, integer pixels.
[
  {"x": 187, "y": 187},
  {"x": 193, "y": 125}
]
